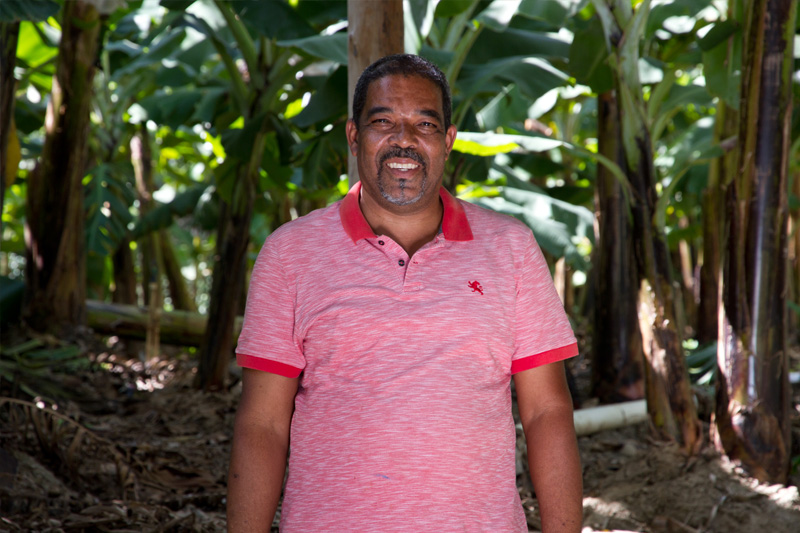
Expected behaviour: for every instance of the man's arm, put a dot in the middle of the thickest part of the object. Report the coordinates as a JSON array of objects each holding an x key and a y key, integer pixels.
[
  {"x": 545, "y": 409},
  {"x": 260, "y": 445}
]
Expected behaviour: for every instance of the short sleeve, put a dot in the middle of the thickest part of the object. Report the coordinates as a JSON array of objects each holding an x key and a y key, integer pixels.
[
  {"x": 543, "y": 332},
  {"x": 268, "y": 341}
]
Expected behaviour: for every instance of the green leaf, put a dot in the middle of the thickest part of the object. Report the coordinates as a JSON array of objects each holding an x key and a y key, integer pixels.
[
  {"x": 326, "y": 160},
  {"x": 533, "y": 76},
  {"x": 327, "y": 103},
  {"x": 161, "y": 217},
  {"x": 482, "y": 150},
  {"x": 208, "y": 107},
  {"x": 557, "y": 225},
  {"x": 32, "y": 50},
  {"x": 274, "y": 19},
  {"x": 175, "y": 76},
  {"x": 491, "y": 45},
  {"x": 174, "y": 109},
  {"x": 723, "y": 80},
  {"x": 718, "y": 34},
  {"x": 106, "y": 202},
  {"x": 497, "y": 16},
  {"x": 238, "y": 143},
  {"x": 490, "y": 140},
  {"x": 176, "y": 5},
  {"x": 332, "y": 47},
  {"x": 588, "y": 58},
  {"x": 508, "y": 107},
  {"x": 34, "y": 10},
  {"x": 555, "y": 12},
  {"x": 451, "y": 8}
]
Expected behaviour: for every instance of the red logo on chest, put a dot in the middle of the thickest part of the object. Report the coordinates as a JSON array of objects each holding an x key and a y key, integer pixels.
[{"x": 475, "y": 286}]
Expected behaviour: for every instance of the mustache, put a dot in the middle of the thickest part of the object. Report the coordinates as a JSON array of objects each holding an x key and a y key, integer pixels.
[{"x": 405, "y": 153}]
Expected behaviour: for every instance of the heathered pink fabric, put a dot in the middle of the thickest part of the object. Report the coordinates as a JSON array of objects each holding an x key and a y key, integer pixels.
[{"x": 402, "y": 419}]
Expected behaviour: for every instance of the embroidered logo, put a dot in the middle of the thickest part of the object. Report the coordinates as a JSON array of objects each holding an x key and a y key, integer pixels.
[{"x": 475, "y": 286}]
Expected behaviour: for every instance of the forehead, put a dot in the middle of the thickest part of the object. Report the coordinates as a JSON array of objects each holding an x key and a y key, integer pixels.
[{"x": 413, "y": 91}]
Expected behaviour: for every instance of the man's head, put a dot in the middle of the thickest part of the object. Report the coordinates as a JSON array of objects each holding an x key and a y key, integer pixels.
[
  {"x": 401, "y": 65},
  {"x": 402, "y": 136}
]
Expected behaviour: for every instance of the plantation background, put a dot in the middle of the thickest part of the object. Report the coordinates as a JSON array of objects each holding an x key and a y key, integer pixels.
[{"x": 149, "y": 147}]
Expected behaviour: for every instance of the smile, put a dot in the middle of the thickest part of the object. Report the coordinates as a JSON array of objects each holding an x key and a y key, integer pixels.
[{"x": 402, "y": 166}]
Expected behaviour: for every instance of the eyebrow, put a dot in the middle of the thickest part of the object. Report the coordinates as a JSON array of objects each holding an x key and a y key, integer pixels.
[{"x": 384, "y": 109}]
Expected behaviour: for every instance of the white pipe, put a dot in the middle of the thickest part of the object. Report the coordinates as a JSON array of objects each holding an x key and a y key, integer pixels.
[
  {"x": 617, "y": 415},
  {"x": 612, "y": 416}
]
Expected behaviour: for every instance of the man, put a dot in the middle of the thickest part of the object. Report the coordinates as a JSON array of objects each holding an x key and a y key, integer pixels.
[{"x": 381, "y": 335}]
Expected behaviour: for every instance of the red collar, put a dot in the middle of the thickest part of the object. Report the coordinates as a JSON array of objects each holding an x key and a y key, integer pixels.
[{"x": 455, "y": 226}]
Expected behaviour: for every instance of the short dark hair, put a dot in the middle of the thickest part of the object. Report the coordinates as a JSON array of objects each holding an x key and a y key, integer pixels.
[{"x": 405, "y": 65}]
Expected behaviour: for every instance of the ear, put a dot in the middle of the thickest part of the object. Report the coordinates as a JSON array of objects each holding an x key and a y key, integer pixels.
[
  {"x": 351, "y": 131},
  {"x": 450, "y": 138}
]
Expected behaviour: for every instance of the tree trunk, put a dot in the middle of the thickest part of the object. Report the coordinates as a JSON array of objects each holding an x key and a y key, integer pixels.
[
  {"x": 178, "y": 289},
  {"x": 617, "y": 363},
  {"x": 670, "y": 401},
  {"x": 752, "y": 424},
  {"x": 182, "y": 328},
  {"x": 9, "y": 35},
  {"x": 124, "y": 275},
  {"x": 374, "y": 30},
  {"x": 233, "y": 238},
  {"x": 56, "y": 263},
  {"x": 721, "y": 170},
  {"x": 150, "y": 244},
  {"x": 794, "y": 258}
]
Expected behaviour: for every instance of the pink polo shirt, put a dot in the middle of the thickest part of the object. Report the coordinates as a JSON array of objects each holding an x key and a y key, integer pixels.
[{"x": 402, "y": 418}]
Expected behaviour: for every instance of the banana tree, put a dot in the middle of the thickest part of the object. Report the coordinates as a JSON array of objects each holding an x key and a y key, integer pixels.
[
  {"x": 669, "y": 396},
  {"x": 262, "y": 47},
  {"x": 752, "y": 416},
  {"x": 55, "y": 263}
]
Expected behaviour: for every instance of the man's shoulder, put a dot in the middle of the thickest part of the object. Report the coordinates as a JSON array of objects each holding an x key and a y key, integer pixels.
[{"x": 319, "y": 225}]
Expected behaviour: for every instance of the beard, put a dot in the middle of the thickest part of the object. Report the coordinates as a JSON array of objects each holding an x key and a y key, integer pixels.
[{"x": 401, "y": 198}]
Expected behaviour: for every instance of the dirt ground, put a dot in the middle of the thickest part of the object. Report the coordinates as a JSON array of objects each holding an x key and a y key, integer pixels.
[{"x": 136, "y": 448}]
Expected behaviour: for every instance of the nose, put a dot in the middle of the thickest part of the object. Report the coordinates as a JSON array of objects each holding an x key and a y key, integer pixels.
[{"x": 403, "y": 135}]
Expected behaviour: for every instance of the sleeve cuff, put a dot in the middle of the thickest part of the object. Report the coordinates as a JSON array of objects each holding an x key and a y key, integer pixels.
[
  {"x": 268, "y": 365},
  {"x": 550, "y": 356}
]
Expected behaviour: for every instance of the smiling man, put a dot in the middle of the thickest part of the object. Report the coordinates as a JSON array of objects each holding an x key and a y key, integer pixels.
[{"x": 381, "y": 337}]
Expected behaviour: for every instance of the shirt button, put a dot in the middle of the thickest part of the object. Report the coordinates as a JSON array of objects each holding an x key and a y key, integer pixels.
[
  {"x": 401, "y": 263},
  {"x": 381, "y": 243}
]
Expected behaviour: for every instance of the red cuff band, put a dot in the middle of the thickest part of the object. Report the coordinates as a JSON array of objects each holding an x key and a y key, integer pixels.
[
  {"x": 550, "y": 356},
  {"x": 268, "y": 365}
]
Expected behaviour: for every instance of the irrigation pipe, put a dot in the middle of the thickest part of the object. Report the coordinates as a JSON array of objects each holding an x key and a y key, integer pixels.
[{"x": 594, "y": 419}]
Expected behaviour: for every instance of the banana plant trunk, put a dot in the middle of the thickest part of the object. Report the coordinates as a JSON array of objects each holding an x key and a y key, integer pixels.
[
  {"x": 751, "y": 423},
  {"x": 9, "y": 36},
  {"x": 227, "y": 286},
  {"x": 720, "y": 171},
  {"x": 617, "y": 362},
  {"x": 670, "y": 402},
  {"x": 54, "y": 233}
]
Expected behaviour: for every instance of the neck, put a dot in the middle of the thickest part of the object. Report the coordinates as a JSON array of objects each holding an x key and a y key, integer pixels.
[{"x": 411, "y": 231}]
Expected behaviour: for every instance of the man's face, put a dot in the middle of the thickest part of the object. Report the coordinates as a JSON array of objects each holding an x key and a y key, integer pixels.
[{"x": 401, "y": 144}]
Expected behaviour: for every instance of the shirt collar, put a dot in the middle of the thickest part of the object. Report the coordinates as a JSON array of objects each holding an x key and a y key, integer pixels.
[{"x": 455, "y": 225}]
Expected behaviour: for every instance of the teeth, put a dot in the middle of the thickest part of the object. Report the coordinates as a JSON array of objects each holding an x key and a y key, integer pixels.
[{"x": 400, "y": 166}]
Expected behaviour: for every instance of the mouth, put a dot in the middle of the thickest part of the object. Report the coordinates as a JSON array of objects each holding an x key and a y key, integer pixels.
[
  {"x": 402, "y": 160},
  {"x": 402, "y": 166}
]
